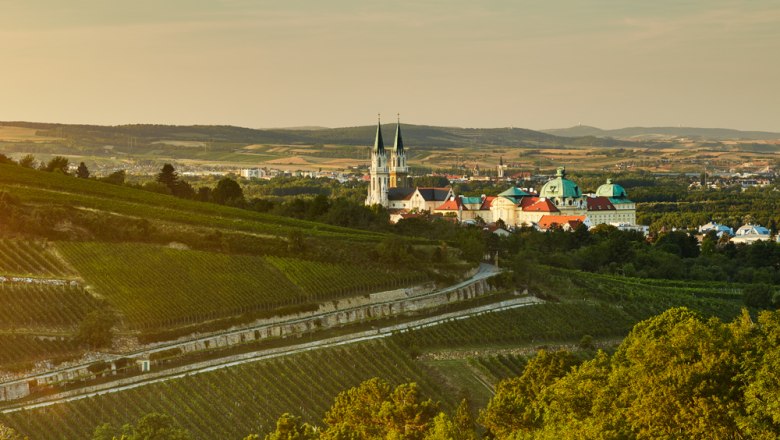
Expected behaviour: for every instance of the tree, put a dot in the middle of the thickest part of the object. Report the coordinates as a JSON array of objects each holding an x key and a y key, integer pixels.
[
  {"x": 95, "y": 329},
  {"x": 228, "y": 191},
  {"x": 759, "y": 296},
  {"x": 153, "y": 426},
  {"x": 5, "y": 159},
  {"x": 27, "y": 161},
  {"x": 82, "y": 172},
  {"x": 57, "y": 164},
  {"x": 168, "y": 176},
  {"x": 115, "y": 178},
  {"x": 374, "y": 410},
  {"x": 290, "y": 427},
  {"x": 7, "y": 433},
  {"x": 513, "y": 407}
]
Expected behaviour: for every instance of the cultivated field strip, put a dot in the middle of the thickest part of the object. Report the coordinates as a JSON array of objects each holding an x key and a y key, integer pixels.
[
  {"x": 33, "y": 305},
  {"x": 20, "y": 351},
  {"x": 250, "y": 397},
  {"x": 29, "y": 258},
  {"x": 323, "y": 280}
]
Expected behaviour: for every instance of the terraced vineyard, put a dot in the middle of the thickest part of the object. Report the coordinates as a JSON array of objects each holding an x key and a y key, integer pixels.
[
  {"x": 321, "y": 280},
  {"x": 19, "y": 351},
  {"x": 34, "y": 305},
  {"x": 596, "y": 305},
  {"x": 249, "y": 397},
  {"x": 536, "y": 324},
  {"x": 29, "y": 258},
  {"x": 157, "y": 286}
]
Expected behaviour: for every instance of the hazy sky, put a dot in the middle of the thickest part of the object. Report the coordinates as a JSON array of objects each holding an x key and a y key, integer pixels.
[{"x": 534, "y": 64}]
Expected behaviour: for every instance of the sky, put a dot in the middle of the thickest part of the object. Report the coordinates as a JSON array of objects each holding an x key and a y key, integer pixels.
[{"x": 490, "y": 63}]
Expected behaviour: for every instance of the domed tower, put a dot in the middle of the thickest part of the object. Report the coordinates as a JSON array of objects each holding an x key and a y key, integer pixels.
[
  {"x": 611, "y": 190},
  {"x": 398, "y": 169},
  {"x": 564, "y": 193},
  {"x": 625, "y": 209},
  {"x": 380, "y": 178}
]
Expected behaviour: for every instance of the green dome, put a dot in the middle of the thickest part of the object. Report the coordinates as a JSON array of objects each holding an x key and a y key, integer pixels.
[
  {"x": 560, "y": 187},
  {"x": 610, "y": 189}
]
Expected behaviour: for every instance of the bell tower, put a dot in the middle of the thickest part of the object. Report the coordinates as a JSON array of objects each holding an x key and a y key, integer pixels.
[
  {"x": 380, "y": 179},
  {"x": 399, "y": 172}
]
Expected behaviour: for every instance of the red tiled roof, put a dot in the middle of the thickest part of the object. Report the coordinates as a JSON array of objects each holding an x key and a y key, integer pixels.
[
  {"x": 486, "y": 203},
  {"x": 542, "y": 205},
  {"x": 549, "y": 221},
  {"x": 452, "y": 205},
  {"x": 527, "y": 201},
  {"x": 600, "y": 204}
]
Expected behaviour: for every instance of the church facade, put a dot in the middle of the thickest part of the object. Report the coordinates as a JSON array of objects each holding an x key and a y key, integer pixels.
[{"x": 389, "y": 184}]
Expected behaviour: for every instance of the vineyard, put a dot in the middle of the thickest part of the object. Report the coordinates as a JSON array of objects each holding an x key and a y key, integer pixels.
[
  {"x": 322, "y": 280},
  {"x": 43, "y": 305},
  {"x": 28, "y": 258},
  {"x": 536, "y": 324},
  {"x": 596, "y": 305},
  {"x": 500, "y": 366},
  {"x": 19, "y": 351},
  {"x": 249, "y": 398},
  {"x": 156, "y": 286}
]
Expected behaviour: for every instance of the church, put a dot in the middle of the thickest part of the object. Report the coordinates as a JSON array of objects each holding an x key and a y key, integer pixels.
[
  {"x": 559, "y": 204},
  {"x": 390, "y": 184}
]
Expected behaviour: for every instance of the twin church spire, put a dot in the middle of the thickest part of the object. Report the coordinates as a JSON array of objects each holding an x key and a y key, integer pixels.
[
  {"x": 379, "y": 144},
  {"x": 388, "y": 169}
]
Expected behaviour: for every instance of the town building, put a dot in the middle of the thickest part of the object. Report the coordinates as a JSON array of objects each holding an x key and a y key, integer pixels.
[{"x": 751, "y": 233}]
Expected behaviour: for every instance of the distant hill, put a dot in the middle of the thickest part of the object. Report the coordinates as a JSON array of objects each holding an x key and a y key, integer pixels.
[
  {"x": 422, "y": 135},
  {"x": 657, "y": 133}
]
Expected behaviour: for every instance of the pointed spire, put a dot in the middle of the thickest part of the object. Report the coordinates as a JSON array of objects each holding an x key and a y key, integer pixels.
[
  {"x": 379, "y": 144},
  {"x": 398, "y": 145}
]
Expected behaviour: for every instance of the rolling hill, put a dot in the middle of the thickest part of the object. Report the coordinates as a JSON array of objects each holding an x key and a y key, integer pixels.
[{"x": 658, "y": 133}]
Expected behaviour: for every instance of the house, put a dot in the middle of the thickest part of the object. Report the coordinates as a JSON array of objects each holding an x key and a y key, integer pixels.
[
  {"x": 751, "y": 233},
  {"x": 719, "y": 229}
]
